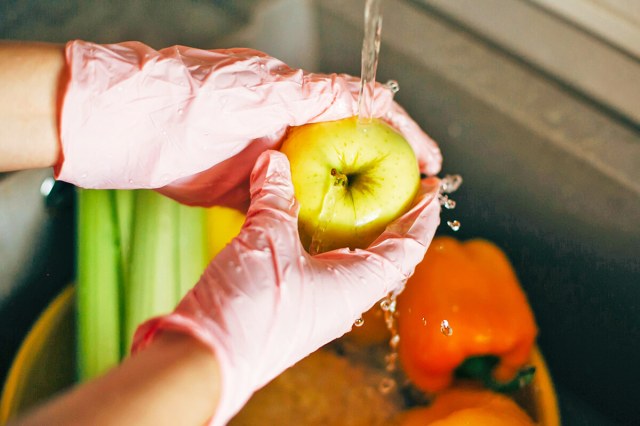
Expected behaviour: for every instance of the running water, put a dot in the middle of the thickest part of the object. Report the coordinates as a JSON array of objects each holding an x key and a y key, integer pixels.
[
  {"x": 449, "y": 184},
  {"x": 370, "y": 51}
]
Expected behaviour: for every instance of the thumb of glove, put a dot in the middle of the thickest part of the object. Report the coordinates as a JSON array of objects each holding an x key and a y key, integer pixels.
[{"x": 273, "y": 203}]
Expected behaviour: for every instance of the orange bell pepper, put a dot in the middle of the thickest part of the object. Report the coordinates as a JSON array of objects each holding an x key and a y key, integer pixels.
[
  {"x": 467, "y": 406},
  {"x": 374, "y": 330},
  {"x": 473, "y": 287}
]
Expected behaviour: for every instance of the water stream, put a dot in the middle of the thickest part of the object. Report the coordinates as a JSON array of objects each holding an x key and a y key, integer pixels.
[{"x": 370, "y": 51}]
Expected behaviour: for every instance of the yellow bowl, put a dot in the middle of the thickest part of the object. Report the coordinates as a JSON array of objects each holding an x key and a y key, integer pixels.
[
  {"x": 45, "y": 362},
  {"x": 540, "y": 398},
  {"x": 45, "y": 365}
]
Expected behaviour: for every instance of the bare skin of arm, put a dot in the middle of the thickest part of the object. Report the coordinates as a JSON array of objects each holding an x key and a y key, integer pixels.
[
  {"x": 173, "y": 381},
  {"x": 31, "y": 77}
]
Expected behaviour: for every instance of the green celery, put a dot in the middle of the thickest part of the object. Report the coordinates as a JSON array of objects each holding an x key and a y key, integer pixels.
[{"x": 98, "y": 283}]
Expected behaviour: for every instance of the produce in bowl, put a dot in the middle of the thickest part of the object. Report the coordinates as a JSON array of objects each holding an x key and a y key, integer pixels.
[{"x": 463, "y": 312}]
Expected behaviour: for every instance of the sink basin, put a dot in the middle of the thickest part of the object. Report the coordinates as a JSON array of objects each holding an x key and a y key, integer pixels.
[
  {"x": 36, "y": 252},
  {"x": 549, "y": 176}
]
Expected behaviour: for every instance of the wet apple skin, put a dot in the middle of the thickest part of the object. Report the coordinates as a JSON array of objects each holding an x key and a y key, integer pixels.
[{"x": 369, "y": 171}]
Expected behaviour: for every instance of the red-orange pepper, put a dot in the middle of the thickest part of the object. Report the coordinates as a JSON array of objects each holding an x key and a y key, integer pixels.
[{"x": 473, "y": 287}]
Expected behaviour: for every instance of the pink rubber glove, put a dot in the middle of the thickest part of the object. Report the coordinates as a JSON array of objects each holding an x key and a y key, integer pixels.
[
  {"x": 193, "y": 122},
  {"x": 264, "y": 303}
]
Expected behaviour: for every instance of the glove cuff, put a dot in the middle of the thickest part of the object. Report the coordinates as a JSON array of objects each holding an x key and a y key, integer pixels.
[{"x": 231, "y": 394}]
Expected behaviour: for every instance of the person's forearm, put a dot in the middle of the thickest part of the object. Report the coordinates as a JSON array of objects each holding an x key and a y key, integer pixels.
[
  {"x": 175, "y": 381},
  {"x": 31, "y": 78}
]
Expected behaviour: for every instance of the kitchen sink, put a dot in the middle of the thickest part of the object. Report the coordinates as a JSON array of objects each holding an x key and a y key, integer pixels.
[{"x": 549, "y": 175}]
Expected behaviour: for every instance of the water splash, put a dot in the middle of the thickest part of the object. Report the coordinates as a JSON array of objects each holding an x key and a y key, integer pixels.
[
  {"x": 454, "y": 224},
  {"x": 386, "y": 385},
  {"x": 393, "y": 86},
  {"x": 445, "y": 328},
  {"x": 448, "y": 185},
  {"x": 389, "y": 308},
  {"x": 447, "y": 202}
]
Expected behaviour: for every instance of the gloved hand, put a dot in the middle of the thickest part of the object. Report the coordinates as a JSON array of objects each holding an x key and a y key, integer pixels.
[
  {"x": 264, "y": 303},
  {"x": 193, "y": 122}
]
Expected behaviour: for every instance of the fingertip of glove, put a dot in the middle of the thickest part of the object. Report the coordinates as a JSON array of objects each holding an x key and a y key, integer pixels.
[
  {"x": 272, "y": 175},
  {"x": 271, "y": 169}
]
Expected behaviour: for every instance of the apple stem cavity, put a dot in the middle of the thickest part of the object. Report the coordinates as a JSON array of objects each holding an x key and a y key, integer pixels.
[{"x": 340, "y": 178}]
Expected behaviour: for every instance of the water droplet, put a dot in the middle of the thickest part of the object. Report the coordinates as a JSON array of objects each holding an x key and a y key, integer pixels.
[
  {"x": 386, "y": 385},
  {"x": 450, "y": 183},
  {"x": 445, "y": 328},
  {"x": 394, "y": 341},
  {"x": 238, "y": 269},
  {"x": 391, "y": 362},
  {"x": 453, "y": 224},
  {"x": 393, "y": 86},
  {"x": 384, "y": 305},
  {"x": 180, "y": 111},
  {"x": 46, "y": 186},
  {"x": 424, "y": 321},
  {"x": 131, "y": 181},
  {"x": 359, "y": 322},
  {"x": 84, "y": 176}
]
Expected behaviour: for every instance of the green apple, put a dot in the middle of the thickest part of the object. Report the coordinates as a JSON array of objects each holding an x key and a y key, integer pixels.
[{"x": 351, "y": 180}]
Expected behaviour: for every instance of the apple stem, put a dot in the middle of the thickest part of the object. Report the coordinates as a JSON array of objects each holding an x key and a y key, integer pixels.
[{"x": 341, "y": 178}]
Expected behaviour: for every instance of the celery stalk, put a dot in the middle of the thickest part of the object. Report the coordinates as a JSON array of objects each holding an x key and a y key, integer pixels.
[
  {"x": 98, "y": 283},
  {"x": 151, "y": 285},
  {"x": 124, "y": 201},
  {"x": 192, "y": 253}
]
